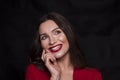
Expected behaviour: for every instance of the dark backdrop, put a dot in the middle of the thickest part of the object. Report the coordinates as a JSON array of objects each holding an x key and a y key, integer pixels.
[{"x": 97, "y": 22}]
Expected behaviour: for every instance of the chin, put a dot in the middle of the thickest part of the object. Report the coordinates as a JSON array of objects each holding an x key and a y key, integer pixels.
[{"x": 58, "y": 56}]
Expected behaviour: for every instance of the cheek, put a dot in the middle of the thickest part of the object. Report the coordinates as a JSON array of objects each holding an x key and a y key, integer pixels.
[{"x": 63, "y": 39}]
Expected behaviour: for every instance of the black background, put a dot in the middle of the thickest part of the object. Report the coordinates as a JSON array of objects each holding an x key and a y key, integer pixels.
[{"x": 97, "y": 22}]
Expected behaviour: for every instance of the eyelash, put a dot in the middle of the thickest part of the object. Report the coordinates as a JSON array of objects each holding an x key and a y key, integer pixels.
[
  {"x": 45, "y": 36},
  {"x": 42, "y": 38},
  {"x": 57, "y": 32}
]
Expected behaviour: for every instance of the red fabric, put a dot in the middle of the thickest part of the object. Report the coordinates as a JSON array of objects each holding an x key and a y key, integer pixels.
[{"x": 33, "y": 73}]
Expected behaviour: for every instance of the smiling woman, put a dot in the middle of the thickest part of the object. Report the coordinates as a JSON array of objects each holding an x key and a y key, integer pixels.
[
  {"x": 56, "y": 54},
  {"x": 53, "y": 39}
]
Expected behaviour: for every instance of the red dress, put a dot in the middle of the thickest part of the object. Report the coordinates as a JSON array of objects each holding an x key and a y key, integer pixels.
[{"x": 33, "y": 73}]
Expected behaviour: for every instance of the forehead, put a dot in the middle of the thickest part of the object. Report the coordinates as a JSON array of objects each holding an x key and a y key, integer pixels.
[{"x": 47, "y": 26}]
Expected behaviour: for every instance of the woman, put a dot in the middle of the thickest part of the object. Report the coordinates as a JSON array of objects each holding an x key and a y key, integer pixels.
[{"x": 56, "y": 55}]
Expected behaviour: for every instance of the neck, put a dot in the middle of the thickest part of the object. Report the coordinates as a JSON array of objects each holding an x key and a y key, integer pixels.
[{"x": 65, "y": 63}]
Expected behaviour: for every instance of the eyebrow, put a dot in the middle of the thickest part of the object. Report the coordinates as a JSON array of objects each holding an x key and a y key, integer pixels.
[
  {"x": 55, "y": 29},
  {"x": 52, "y": 31}
]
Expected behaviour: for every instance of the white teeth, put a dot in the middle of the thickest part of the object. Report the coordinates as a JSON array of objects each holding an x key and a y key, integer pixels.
[{"x": 55, "y": 48}]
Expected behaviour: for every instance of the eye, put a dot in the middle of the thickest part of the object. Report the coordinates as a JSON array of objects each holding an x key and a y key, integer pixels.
[
  {"x": 44, "y": 37},
  {"x": 57, "y": 32}
]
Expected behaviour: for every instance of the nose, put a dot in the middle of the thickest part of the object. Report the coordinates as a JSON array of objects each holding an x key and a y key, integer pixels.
[{"x": 52, "y": 40}]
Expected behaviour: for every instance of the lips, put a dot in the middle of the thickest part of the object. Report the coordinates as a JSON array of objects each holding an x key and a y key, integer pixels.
[{"x": 55, "y": 48}]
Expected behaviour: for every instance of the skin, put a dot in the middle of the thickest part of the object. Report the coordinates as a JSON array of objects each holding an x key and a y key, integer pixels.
[{"x": 58, "y": 62}]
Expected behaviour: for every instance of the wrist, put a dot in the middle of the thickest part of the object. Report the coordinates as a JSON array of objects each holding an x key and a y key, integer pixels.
[{"x": 55, "y": 77}]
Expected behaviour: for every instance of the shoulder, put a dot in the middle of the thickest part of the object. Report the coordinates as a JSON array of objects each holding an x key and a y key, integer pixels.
[
  {"x": 33, "y": 72},
  {"x": 91, "y": 73},
  {"x": 89, "y": 70},
  {"x": 32, "y": 68}
]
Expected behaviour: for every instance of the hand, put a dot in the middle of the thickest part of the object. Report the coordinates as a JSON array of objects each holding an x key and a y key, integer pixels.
[{"x": 52, "y": 65}]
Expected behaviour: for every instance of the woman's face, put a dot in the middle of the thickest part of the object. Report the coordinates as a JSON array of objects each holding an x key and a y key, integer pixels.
[{"x": 53, "y": 39}]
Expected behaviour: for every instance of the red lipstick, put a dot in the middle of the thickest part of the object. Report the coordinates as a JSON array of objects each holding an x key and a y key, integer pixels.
[{"x": 55, "y": 48}]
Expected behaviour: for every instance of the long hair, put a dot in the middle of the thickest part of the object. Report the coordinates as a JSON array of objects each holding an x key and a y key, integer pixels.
[{"x": 76, "y": 55}]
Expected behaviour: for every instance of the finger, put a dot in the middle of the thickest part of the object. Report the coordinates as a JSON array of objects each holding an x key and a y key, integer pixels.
[
  {"x": 49, "y": 56},
  {"x": 49, "y": 59},
  {"x": 47, "y": 51},
  {"x": 42, "y": 56},
  {"x": 54, "y": 61}
]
